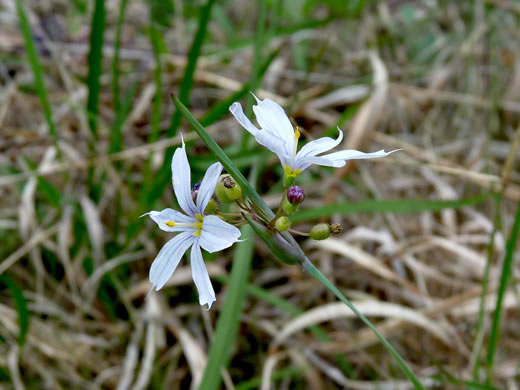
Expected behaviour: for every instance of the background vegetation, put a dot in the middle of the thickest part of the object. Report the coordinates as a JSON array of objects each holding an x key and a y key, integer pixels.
[{"x": 87, "y": 131}]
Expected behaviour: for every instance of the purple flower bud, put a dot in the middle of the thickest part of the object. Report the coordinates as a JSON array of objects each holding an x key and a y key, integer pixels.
[
  {"x": 195, "y": 187},
  {"x": 295, "y": 195},
  {"x": 195, "y": 191}
]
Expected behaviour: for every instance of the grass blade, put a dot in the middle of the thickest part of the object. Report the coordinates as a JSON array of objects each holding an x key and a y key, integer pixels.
[
  {"x": 36, "y": 66},
  {"x": 504, "y": 279},
  {"x": 384, "y": 206},
  {"x": 95, "y": 56},
  {"x": 193, "y": 56},
  {"x": 117, "y": 48},
  {"x": 21, "y": 307},
  {"x": 229, "y": 319},
  {"x": 309, "y": 267}
]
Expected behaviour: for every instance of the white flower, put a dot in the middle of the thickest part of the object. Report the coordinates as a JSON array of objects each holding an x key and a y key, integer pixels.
[
  {"x": 277, "y": 134},
  {"x": 196, "y": 229}
]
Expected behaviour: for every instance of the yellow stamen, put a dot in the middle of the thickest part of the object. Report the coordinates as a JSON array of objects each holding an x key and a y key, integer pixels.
[
  {"x": 297, "y": 132},
  {"x": 199, "y": 217},
  {"x": 197, "y": 233},
  {"x": 197, "y": 225},
  {"x": 170, "y": 223},
  {"x": 289, "y": 172}
]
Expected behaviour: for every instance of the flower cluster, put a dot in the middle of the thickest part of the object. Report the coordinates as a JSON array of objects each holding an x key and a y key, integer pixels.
[{"x": 203, "y": 226}]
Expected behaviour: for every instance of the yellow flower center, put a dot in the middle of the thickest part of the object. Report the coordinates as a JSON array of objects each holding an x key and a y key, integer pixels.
[
  {"x": 196, "y": 225},
  {"x": 289, "y": 172}
]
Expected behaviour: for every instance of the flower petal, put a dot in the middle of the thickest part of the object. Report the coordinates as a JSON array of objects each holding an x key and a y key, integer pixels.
[
  {"x": 236, "y": 110},
  {"x": 318, "y": 146},
  {"x": 339, "y": 159},
  {"x": 181, "y": 177},
  {"x": 168, "y": 215},
  {"x": 200, "y": 276},
  {"x": 272, "y": 117},
  {"x": 168, "y": 258},
  {"x": 274, "y": 143},
  {"x": 207, "y": 186},
  {"x": 217, "y": 234}
]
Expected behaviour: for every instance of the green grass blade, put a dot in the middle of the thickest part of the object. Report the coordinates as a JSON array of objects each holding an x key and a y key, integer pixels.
[
  {"x": 257, "y": 58},
  {"x": 117, "y": 48},
  {"x": 36, "y": 66},
  {"x": 504, "y": 279},
  {"x": 247, "y": 189},
  {"x": 229, "y": 318},
  {"x": 21, "y": 307},
  {"x": 402, "y": 364},
  {"x": 95, "y": 56},
  {"x": 479, "y": 339},
  {"x": 385, "y": 206},
  {"x": 193, "y": 56}
]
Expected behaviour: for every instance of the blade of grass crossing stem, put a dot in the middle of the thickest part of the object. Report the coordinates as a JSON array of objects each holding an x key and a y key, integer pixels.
[
  {"x": 481, "y": 328},
  {"x": 383, "y": 206},
  {"x": 222, "y": 157},
  {"x": 95, "y": 56},
  {"x": 32, "y": 54},
  {"x": 229, "y": 318},
  {"x": 257, "y": 59},
  {"x": 117, "y": 48},
  {"x": 193, "y": 56},
  {"x": 502, "y": 287},
  {"x": 309, "y": 267},
  {"x": 21, "y": 307}
]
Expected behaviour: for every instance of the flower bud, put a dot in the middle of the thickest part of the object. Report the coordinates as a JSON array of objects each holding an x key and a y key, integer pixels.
[
  {"x": 211, "y": 207},
  {"x": 233, "y": 193},
  {"x": 320, "y": 231},
  {"x": 288, "y": 207},
  {"x": 282, "y": 224},
  {"x": 227, "y": 190},
  {"x": 336, "y": 228},
  {"x": 295, "y": 195}
]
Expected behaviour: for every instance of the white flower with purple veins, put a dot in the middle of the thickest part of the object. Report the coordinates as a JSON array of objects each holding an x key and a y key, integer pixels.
[
  {"x": 277, "y": 134},
  {"x": 196, "y": 230}
]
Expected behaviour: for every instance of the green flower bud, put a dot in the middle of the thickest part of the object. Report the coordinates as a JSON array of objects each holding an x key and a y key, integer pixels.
[
  {"x": 282, "y": 224},
  {"x": 233, "y": 193},
  {"x": 211, "y": 207},
  {"x": 320, "y": 231},
  {"x": 220, "y": 190},
  {"x": 288, "y": 207}
]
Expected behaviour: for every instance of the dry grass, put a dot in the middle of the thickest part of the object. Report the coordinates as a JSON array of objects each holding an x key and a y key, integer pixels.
[{"x": 438, "y": 79}]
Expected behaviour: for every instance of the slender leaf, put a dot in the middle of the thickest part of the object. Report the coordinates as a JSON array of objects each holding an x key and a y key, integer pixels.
[
  {"x": 35, "y": 65},
  {"x": 95, "y": 56},
  {"x": 309, "y": 267},
  {"x": 193, "y": 56},
  {"x": 504, "y": 280},
  {"x": 117, "y": 49},
  {"x": 229, "y": 318},
  {"x": 21, "y": 307}
]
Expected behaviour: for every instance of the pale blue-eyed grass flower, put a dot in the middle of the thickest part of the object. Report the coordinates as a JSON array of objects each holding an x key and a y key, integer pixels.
[
  {"x": 277, "y": 134},
  {"x": 196, "y": 230}
]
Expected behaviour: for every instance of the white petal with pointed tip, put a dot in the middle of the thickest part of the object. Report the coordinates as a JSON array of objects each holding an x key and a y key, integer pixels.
[
  {"x": 167, "y": 215},
  {"x": 200, "y": 276},
  {"x": 168, "y": 258},
  {"x": 321, "y": 145},
  {"x": 217, "y": 234},
  {"x": 207, "y": 186},
  {"x": 274, "y": 143},
  {"x": 272, "y": 117},
  {"x": 181, "y": 177},
  {"x": 238, "y": 113}
]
